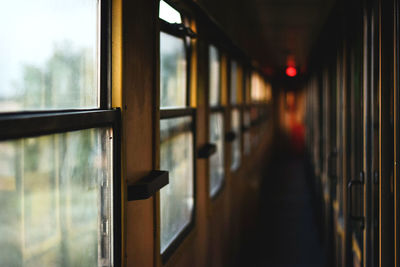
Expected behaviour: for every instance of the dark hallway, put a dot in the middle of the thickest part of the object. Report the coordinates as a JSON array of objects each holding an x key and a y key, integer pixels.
[{"x": 289, "y": 233}]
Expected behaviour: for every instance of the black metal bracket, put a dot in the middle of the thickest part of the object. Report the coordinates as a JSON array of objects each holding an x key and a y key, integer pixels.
[
  {"x": 230, "y": 136},
  {"x": 177, "y": 29},
  {"x": 245, "y": 129},
  {"x": 207, "y": 151},
  {"x": 148, "y": 186}
]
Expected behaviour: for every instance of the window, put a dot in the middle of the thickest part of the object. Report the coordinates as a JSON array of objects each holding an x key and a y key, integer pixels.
[
  {"x": 58, "y": 69},
  {"x": 260, "y": 98},
  {"x": 235, "y": 87},
  {"x": 235, "y": 148},
  {"x": 246, "y": 134},
  {"x": 216, "y": 133},
  {"x": 217, "y": 160},
  {"x": 51, "y": 189},
  {"x": 214, "y": 76},
  {"x": 57, "y": 173},
  {"x": 234, "y": 82},
  {"x": 246, "y": 113},
  {"x": 261, "y": 91},
  {"x": 173, "y": 71},
  {"x": 176, "y": 131},
  {"x": 177, "y": 157}
]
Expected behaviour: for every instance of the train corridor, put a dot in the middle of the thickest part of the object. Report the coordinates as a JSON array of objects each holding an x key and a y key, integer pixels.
[{"x": 289, "y": 229}]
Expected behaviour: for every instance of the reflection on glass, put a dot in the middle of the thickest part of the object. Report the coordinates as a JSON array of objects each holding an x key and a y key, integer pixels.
[
  {"x": 217, "y": 160},
  {"x": 246, "y": 135},
  {"x": 55, "y": 192},
  {"x": 176, "y": 156},
  {"x": 234, "y": 79},
  {"x": 48, "y": 55},
  {"x": 214, "y": 76},
  {"x": 235, "y": 148},
  {"x": 169, "y": 14},
  {"x": 172, "y": 71}
]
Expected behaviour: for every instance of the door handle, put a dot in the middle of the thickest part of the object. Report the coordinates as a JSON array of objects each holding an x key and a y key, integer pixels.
[{"x": 350, "y": 186}]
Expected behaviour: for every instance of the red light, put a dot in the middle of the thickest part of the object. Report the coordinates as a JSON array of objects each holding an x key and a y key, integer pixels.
[{"x": 291, "y": 71}]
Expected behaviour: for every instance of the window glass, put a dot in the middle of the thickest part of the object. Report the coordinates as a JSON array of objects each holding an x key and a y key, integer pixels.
[
  {"x": 55, "y": 192},
  {"x": 169, "y": 14},
  {"x": 234, "y": 79},
  {"x": 246, "y": 135},
  {"x": 214, "y": 76},
  {"x": 261, "y": 91},
  {"x": 176, "y": 156},
  {"x": 48, "y": 55},
  {"x": 172, "y": 71},
  {"x": 235, "y": 148},
  {"x": 217, "y": 160}
]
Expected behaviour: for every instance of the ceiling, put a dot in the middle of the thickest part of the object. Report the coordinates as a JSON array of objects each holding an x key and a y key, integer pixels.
[{"x": 271, "y": 30}]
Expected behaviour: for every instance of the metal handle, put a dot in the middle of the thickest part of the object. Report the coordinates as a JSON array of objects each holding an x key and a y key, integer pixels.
[
  {"x": 207, "y": 151},
  {"x": 350, "y": 185},
  {"x": 148, "y": 186},
  {"x": 245, "y": 129},
  {"x": 230, "y": 136}
]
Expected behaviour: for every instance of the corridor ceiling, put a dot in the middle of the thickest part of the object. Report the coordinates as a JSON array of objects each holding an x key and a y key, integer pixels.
[{"x": 271, "y": 30}]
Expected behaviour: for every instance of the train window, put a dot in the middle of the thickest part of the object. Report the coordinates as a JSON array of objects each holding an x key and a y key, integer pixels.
[
  {"x": 261, "y": 91},
  {"x": 58, "y": 175},
  {"x": 48, "y": 60},
  {"x": 172, "y": 71},
  {"x": 217, "y": 160},
  {"x": 216, "y": 166},
  {"x": 169, "y": 14},
  {"x": 235, "y": 115},
  {"x": 176, "y": 155},
  {"x": 214, "y": 76},
  {"x": 234, "y": 82},
  {"x": 235, "y": 126},
  {"x": 176, "y": 131},
  {"x": 246, "y": 135},
  {"x": 55, "y": 191}
]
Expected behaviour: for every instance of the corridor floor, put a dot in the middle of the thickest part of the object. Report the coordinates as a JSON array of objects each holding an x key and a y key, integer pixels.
[{"x": 288, "y": 233}]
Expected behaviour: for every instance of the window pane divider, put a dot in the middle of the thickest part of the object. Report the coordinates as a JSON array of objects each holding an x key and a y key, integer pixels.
[
  {"x": 215, "y": 109},
  {"x": 178, "y": 112},
  {"x": 20, "y": 125}
]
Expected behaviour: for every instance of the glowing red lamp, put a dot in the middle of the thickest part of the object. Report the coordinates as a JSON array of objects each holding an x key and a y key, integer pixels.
[{"x": 291, "y": 71}]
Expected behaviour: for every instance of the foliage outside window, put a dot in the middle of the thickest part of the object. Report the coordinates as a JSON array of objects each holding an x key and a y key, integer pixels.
[
  {"x": 54, "y": 191},
  {"x": 48, "y": 60},
  {"x": 56, "y": 185},
  {"x": 176, "y": 155},
  {"x": 172, "y": 71}
]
